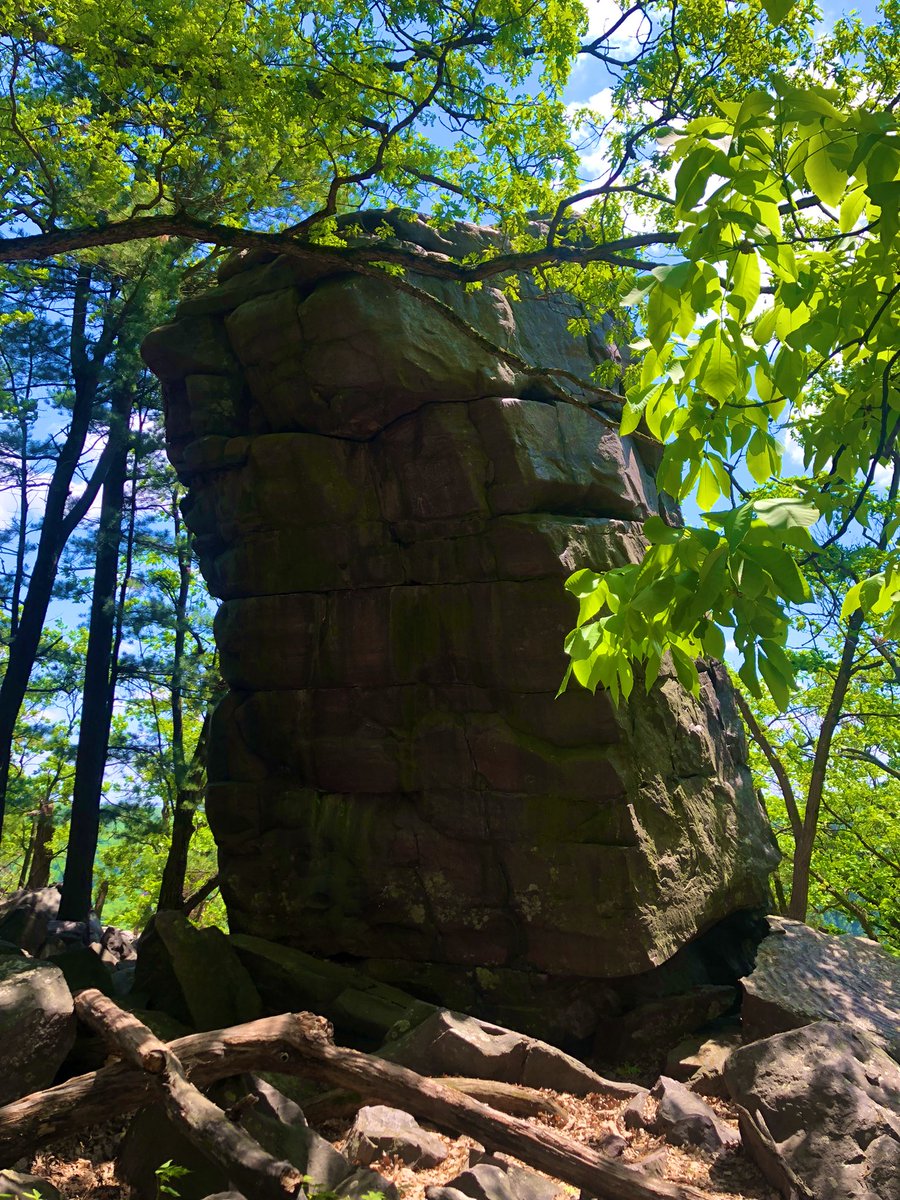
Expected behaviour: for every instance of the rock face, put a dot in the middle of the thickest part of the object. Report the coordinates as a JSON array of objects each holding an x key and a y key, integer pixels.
[
  {"x": 387, "y": 496},
  {"x": 821, "y": 1112},
  {"x": 37, "y": 1026},
  {"x": 802, "y": 975}
]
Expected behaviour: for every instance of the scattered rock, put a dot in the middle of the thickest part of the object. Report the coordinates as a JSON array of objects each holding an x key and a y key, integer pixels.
[
  {"x": 194, "y": 974},
  {"x": 653, "y": 1164},
  {"x": 803, "y": 975},
  {"x": 633, "y": 1115},
  {"x": 684, "y": 1119},
  {"x": 449, "y": 1043},
  {"x": 699, "y": 1061},
  {"x": 381, "y": 1130},
  {"x": 19, "y": 1186},
  {"x": 118, "y": 945},
  {"x": 613, "y": 1145},
  {"x": 37, "y": 1026},
  {"x": 273, "y": 1120},
  {"x": 825, "y": 1099},
  {"x": 494, "y": 1179}
]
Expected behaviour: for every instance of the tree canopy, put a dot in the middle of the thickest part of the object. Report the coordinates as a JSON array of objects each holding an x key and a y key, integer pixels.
[{"x": 748, "y": 203}]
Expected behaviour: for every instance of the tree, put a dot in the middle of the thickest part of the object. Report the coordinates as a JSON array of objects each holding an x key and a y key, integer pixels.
[
  {"x": 764, "y": 127},
  {"x": 837, "y": 826}
]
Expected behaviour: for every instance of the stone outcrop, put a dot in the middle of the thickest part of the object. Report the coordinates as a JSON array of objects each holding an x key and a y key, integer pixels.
[
  {"x": 387, "y": 495},
  {"x": 821, "y": 1112},
  {"x": 803, "y": 975}
]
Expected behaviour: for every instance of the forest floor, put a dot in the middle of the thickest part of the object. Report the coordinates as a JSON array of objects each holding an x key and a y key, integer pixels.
[{"x": 83, "y": 1168}]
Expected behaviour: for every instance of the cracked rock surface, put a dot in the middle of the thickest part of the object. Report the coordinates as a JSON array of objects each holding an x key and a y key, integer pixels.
[{"x": 388, "y": 495}]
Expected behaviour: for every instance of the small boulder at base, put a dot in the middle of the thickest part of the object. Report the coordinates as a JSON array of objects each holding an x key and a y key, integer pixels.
[
  {"x": 494, "y": 1179},
  {"x": 449, "y": 1043},
  {"x": 803, "y": 975},
  {"x": 685, "y": 1119},
  {"x": 194, "y": 974},
  {"x": 37, "y": 1026},
  {"x": 381, "y": 1130},
  {"x": 699, "y": 1061},
  {"x": 18, "y": 1186},
  {"x": 825, "y": 1099}
]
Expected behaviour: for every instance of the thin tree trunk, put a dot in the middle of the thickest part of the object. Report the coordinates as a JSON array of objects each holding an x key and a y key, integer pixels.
[
  {"x": 798, "y": 905},
  {"x": 100, "y": 897},
  {"x": 187, "y": 801},
  {"x": 41, "y": 852},
  {"x": 56, "y": 527},
  {"x": 96, "y": 709}
]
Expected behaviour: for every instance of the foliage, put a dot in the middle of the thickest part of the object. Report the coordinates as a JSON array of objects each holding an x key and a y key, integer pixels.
[
  {"x": 855, "y": 866},
  {"x": 776, "y": 319}
]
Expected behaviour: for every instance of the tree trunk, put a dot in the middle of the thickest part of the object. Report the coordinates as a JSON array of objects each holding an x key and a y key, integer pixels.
[
  {"x": 205, "y": 1125},
  {"x": 96, "y": 709},
  {"x": 100, "y": 897},
  {"x": 798, "y": 905},
  {"x": 56, "y": 527},
  {"x": 41, "y": 853},
  {"x": 187, "y": 801}
]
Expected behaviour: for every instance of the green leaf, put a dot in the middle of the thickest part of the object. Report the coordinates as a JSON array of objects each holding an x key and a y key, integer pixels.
[
  {"x": 693, "y": 177},
  {"x": 719, "y": 375},
  {"x": 785, "y": 513},
  {"x": 686, "y": 670},
  {"x": 777, "y": 10},
  {"x": 827, "y": 180},
  {"x": 658, "y": 533}
]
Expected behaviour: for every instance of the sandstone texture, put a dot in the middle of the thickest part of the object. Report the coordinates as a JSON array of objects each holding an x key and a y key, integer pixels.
[
  {"x": 37, "y": 1026},
  {"x": 821, "y": 1112},
  {"x": 803, "y": 975},
  {"x": 387, "y": 495}
]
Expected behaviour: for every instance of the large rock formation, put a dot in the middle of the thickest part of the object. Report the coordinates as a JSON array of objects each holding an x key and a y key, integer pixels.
[{"x": 387, "y": 495}]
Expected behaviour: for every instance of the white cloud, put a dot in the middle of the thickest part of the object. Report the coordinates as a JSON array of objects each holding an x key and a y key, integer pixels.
[{"x": 603, "y": 14}]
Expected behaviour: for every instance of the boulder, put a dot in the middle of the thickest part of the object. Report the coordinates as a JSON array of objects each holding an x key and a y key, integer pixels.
[
  {"x": 351, "y": 1000},
  {"x": 37, "y": 1026},
  {"x": 821, "y": 1106},
  {"x": 803, "y": 975},
  {"x": 686, "y": 1120},
  {"x": 26, "y": 915},
  {"x": 651, "y": 1028},
  {"x": 495, "y": 1179},
  {"x": 379, "y": 1130},
  {"x": 699, "y": 1061},
  {"x": 387, "y": 493},
  {"x": 449, "y": 1043},
  {"x": 19, "y": 1186},
  {"x": 194, "y": 974}
]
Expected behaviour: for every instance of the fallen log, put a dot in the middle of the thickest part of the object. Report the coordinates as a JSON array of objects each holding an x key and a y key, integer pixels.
[
  {"x": 251, "y": 1167},
  {"x": 512, "y": 1098},
  {"x": 300, "y": 1044}
]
